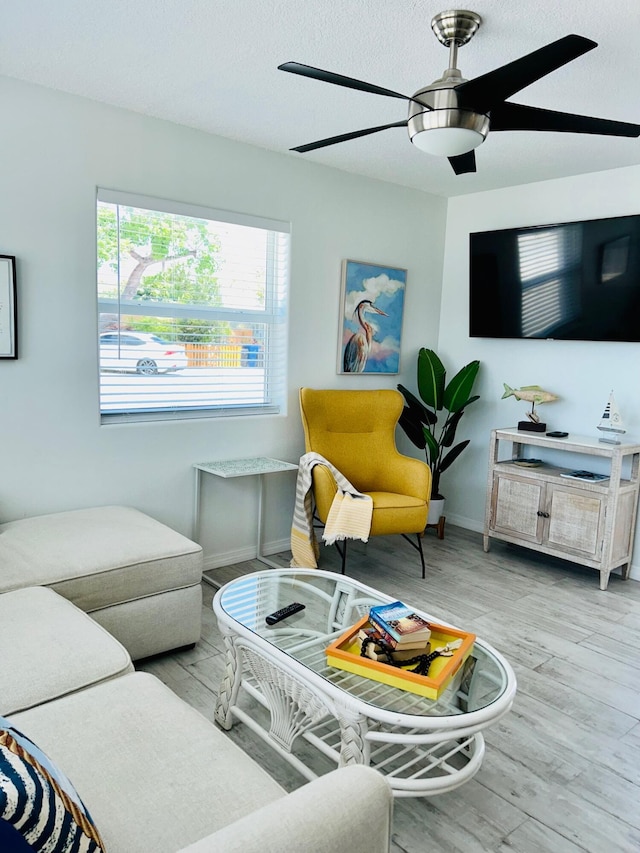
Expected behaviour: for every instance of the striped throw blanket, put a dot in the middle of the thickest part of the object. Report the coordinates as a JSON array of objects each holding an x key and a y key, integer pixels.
[{"x": 349, "y": 516}]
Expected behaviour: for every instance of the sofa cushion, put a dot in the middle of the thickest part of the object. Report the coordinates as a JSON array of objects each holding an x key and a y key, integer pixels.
[
  {"x": 39, "y": 807},
  {"x": 154, "y": 773},
  {"x": 97, "y": 557},
  {"x": 49, "y": 648}
]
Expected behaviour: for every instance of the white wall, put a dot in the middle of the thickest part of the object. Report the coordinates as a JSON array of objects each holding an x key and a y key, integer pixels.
[
  {"x": 55, "y": 149},
  {"x": 582, "y": 374}
]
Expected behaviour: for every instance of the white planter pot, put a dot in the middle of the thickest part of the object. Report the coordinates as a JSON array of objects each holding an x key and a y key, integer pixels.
[{"x": 436, "y": 509}]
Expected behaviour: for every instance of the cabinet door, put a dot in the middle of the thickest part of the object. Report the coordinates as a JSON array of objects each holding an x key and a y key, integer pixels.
[
  {"x": 515, "y": 505},
  {"x": 576, "y": 520}
]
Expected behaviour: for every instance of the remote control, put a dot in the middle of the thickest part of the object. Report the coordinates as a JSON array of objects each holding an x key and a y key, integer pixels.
[{"x": 279, "y": 615}]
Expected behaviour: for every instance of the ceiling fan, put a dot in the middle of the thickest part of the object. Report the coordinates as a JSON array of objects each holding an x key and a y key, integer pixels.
[{"x": 452, "y": 116}]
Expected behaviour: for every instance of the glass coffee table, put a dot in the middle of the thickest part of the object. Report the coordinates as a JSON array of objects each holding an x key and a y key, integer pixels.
[{"x": 422, "y": 746}]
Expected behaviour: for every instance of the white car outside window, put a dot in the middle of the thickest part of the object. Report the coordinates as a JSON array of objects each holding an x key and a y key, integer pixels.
[{"x": 140, "y": 352}]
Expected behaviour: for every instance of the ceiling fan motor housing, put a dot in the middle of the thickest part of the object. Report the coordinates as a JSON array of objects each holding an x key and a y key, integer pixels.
[
  {"x": 453, "y": 130},
  {"x": 443, "y": 114}
]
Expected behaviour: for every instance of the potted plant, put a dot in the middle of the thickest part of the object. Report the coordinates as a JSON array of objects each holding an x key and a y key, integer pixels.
[{"x": 421, "y": 419}]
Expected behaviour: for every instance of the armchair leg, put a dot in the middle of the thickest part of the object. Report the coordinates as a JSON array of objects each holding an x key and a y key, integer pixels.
[
  {"x": 421, "y": 555},
  {"x": 342, "y": 550},
  {"x": 418, "y": 548}
]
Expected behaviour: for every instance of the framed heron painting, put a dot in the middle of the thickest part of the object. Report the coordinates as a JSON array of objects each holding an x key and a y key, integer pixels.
[{"x": 371, "y": 308}]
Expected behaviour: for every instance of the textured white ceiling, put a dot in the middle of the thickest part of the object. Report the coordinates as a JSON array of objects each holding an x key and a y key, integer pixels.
[{"x": 212, "y": 65}]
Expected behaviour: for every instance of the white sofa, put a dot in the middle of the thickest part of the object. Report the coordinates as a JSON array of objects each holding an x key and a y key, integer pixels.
[
  {"x": 137, "y": 577},
  {"x": 154, "y": 774}
]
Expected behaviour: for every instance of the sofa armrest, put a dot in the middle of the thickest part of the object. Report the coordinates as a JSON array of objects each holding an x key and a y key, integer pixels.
[{"x": 346, "y": 811}]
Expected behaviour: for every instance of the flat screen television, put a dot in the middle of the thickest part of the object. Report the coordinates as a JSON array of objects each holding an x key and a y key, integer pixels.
[{"x": 569, "y": 281}]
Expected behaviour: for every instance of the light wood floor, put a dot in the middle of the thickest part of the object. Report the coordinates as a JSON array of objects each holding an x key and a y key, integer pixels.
[{"x": 562, "y": 770}]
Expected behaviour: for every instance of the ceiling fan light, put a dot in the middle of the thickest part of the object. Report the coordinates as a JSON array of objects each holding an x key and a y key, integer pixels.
[{"x": 447, "y": 141}]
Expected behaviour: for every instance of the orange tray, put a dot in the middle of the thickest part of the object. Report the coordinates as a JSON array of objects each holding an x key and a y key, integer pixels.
[{"x": 344, "y": 653}]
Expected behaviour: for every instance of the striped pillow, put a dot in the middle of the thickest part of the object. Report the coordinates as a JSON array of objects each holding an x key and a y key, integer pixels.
[{"x": 39, "y": 807}]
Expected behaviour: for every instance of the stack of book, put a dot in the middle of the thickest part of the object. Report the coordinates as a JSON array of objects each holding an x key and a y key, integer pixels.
[{"x": 398, "y": 628}]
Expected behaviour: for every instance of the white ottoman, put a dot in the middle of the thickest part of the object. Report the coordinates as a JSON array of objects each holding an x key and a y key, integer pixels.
[
  {"x": 49, "y": 648},
  {"x": 135, "y": 576}
]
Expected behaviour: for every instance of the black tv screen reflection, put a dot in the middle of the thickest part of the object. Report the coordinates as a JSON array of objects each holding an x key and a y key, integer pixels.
[{"x": 570, "y": 281}]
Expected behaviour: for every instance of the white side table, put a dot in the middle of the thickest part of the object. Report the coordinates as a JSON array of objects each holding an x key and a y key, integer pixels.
[{"x": 254, "y": 467}]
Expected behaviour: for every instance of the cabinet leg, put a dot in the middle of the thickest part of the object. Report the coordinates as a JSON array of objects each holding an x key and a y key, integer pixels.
[
  {"x": 626, "y": 569},
  {"x": 604, "y": 579},
  {"x": 485, "y": 543}
]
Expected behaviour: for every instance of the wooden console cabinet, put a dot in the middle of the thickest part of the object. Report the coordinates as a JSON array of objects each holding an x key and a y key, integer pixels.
[{"x": 588, "y": 523}]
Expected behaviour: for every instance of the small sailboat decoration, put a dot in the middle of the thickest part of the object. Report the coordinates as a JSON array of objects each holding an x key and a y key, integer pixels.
[{"x": 611, "y": 422}]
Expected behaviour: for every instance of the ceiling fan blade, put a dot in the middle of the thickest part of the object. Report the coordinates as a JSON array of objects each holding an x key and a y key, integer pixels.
[
  {"x": 340, "y": 80},
  {"x": 481, "y": 93},
  {"x": 519, "y": 117},
  {"x": 463, "y": 163},
  {"x": 344, "y": 137}
]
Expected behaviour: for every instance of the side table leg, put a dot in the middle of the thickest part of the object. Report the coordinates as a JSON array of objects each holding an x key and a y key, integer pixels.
[
  {"x": 260, "y": 517},
  {"x": 195, "y": 529},
  {"x": 230, "y": 684}
]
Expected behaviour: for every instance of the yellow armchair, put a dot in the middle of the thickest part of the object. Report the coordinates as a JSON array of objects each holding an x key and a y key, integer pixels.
[{"x": 355, "y": 431}]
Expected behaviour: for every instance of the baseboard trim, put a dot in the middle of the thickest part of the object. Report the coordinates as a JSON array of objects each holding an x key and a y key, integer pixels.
[
  {"x": 218, "y": 561},
  {"x": 465, "y": 523}
]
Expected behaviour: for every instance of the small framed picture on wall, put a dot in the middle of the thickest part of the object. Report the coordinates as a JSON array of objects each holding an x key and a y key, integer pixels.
[
  {"x": 371, "y": 309},
  {"x": 8, "y": 310}
]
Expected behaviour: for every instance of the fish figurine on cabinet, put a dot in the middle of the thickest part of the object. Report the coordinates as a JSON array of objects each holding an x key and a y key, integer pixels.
[{"x": 531, "y": 394}]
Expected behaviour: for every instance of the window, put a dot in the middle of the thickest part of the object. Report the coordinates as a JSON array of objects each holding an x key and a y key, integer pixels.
[{"x": 192, "y": 310}]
